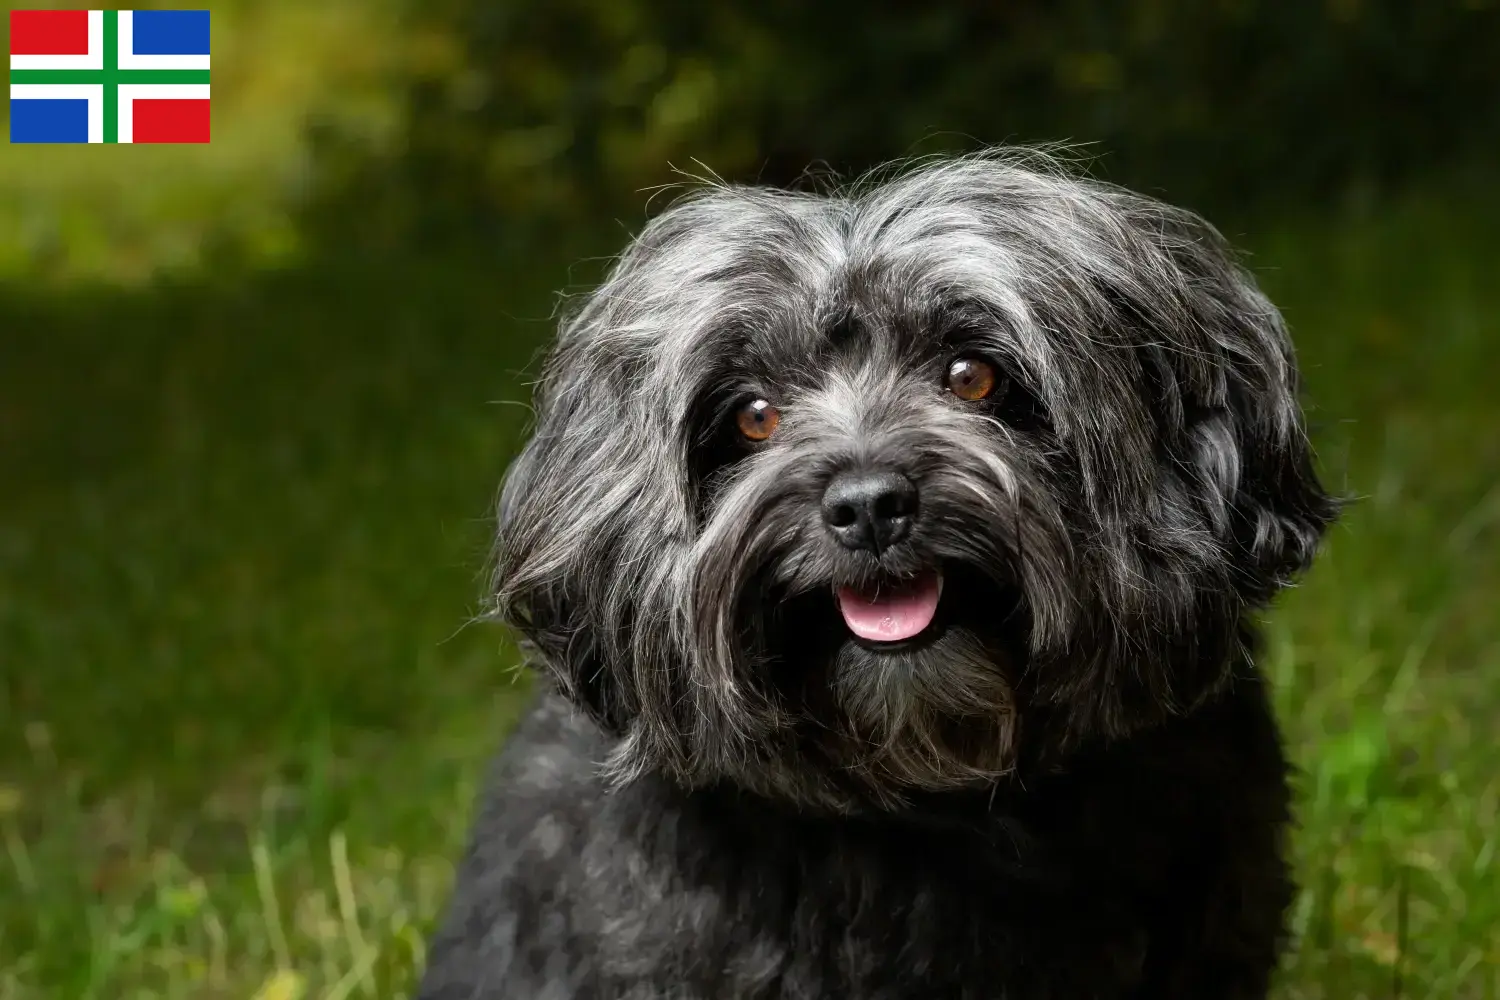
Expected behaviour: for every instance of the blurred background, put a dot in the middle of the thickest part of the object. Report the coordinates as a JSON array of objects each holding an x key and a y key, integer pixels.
[{"x": 256, "y": 396}]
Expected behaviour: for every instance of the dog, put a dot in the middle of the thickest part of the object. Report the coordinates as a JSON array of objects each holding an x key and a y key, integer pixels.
[{"x": 890, "y": 557}]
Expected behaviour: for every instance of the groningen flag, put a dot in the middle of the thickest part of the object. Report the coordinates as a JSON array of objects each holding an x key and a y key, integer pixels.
[{"x": 109, "y": 76}]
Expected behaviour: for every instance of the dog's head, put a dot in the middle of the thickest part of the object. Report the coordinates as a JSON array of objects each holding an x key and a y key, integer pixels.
[{"x": 845, "y": 497}]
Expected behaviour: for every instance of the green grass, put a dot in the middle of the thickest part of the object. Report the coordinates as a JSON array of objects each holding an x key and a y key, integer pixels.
[
  {"x": 1387, "y": 660},
  {"x": 242, "y": 717},
  {"x": 238, "y": 559}
]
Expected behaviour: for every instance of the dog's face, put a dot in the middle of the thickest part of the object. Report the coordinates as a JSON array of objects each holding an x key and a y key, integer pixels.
[{"x": 847, "y": 497}]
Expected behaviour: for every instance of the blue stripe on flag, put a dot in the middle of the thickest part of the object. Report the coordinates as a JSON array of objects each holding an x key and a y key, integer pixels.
[
  {"x": 169, "y": 32},
  {"x": 49, "y": 120}
]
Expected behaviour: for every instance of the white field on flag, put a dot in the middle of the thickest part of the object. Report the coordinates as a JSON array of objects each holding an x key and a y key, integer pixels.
[
  {"x": 131, "y": 92},
  {"x": 91, "y": 92}
]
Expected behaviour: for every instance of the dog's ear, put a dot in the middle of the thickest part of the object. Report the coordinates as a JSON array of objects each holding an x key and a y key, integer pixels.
[
  {"x": 1242, "y": 429},
  {"x": 542, "y": 608},
  {"x": 1278, "y": 510},
  {"x": 1233, "y": 509}
]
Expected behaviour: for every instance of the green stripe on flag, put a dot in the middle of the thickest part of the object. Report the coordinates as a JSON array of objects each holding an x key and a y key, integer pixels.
[
  {"x": 121, "y": 76},
  {"x": 111, "y": 76},
  {"x": 111, "y": 67}
]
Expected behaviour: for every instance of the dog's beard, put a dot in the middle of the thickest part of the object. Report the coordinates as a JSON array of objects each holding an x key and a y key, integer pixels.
[{"x": 933, "y": 711}]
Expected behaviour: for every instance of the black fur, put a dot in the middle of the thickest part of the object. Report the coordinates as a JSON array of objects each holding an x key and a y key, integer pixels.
[{"x": 1070, "y": 785}]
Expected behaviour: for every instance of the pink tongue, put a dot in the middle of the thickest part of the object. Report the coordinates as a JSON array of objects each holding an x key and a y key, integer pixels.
[{"x": 891, "y": 613}]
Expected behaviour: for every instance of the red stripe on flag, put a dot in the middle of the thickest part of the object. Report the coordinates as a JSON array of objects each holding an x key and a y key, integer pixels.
[
  {"x": 49, "y": 32},
  {"x": 177, "y": 119}
]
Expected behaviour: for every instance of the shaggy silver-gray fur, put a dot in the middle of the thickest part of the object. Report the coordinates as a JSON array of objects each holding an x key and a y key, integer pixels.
[{"x": 1071, "y": 785}]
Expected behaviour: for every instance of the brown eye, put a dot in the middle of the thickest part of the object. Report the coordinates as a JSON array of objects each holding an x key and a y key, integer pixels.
[
  {"x": 971, "y": 379},
  {"x": 757, "y": 419}
]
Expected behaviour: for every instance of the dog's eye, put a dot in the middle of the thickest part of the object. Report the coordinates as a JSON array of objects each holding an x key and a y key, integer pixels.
[
  {"x": 757, "y": 419},
  {"x": 972, "y": 379}
]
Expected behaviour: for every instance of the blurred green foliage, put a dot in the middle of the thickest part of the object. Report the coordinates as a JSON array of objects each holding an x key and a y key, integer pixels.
[
  {"x": 132, "y": 214},
  {"x": 349, "y": 126},
  {"x": 527, "y": 113}
]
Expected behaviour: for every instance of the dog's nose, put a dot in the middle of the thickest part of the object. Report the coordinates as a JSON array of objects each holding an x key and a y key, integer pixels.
[{"x": 870, "y": 510}]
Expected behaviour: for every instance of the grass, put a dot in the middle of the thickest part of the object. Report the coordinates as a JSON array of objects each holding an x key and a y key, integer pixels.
[
  {"x": 1387, "y": 659},
  {"x": 236, "y": 585},
  {"x": 242, "y": 717}
]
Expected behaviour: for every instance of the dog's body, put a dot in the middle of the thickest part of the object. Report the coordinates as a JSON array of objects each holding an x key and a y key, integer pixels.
[
  {"x": 1154, "y": 871},
  {"x": 1036, "y": 441}
]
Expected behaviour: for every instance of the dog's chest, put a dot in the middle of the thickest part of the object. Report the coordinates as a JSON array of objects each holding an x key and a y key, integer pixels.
[{"x": 703, "y": 910}]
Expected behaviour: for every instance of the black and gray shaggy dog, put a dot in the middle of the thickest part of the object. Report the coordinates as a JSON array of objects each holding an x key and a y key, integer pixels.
[{"x": 890, "y": 556}]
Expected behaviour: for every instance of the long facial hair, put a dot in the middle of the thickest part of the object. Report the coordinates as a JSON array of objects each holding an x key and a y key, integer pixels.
[{"x": 1102, "y": 526}]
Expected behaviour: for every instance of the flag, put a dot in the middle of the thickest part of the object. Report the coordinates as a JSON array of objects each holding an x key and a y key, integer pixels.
[{"x": 109, "y": 76}]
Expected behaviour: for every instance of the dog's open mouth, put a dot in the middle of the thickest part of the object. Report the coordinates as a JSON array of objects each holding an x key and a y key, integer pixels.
[{"x": 891, "y": 611}]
